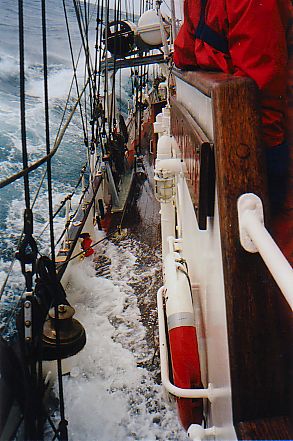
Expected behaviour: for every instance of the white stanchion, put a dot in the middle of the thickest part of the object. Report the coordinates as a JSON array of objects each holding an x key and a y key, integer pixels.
[{"x": 254, "y": 237}]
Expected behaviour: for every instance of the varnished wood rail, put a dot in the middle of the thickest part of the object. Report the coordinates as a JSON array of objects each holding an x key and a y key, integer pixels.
[{"x": 257, "y": 317}]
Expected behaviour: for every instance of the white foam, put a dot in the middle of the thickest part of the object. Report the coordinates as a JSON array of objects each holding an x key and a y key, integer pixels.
[
  {"x": 108, "y": 397},
  {"x": 8, "y": 66},
  {"x": 58, "y": 84}
]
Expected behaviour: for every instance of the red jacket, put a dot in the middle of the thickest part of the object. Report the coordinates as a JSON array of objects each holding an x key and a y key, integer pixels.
[
  {"x": 256, "y": 35},
  {"x": 86, "y": 245}
]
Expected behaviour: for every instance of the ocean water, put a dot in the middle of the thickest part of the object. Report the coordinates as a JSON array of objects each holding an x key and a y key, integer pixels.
[
  {"x": 112, "y": 391},
  {"x": 113, "y": 386},
  {"x": 68, "y": 158},
  {"x": 71, "y": 155}
]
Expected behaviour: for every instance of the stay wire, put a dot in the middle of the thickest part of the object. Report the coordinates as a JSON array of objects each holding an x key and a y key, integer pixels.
[
  {"x": 106, "y": 79},
  {"x": 58, "y": 139},
  {"x": 140, "y": 109},
  {"x": 164, "y": 1},
  {"x": 73, "y": 64},
  {"x": 56, "y": 433},
  {"x": 22, "y": 102},
  {"x": 40, "y": 162},
  {"x": 20, "y": 238},
  {"x": 101, "y": 129},
  {"x": 47, "y": 129},
  {"x": 98, "y": 116},
  {"x": 113, "y": 110},
  {"x": 120, "y": 70},
  {"x": 95, "y": 74},
  {"x": 86, "y": 32},
  {"x": 13, "y": 262},
  {"x": 100, "y": 29},
  {"x": 62, "y": 203},
  {"x": 81, "y": 27},
  {"x": 63, "y": 422},
  {"x": 85, "y": 111}
]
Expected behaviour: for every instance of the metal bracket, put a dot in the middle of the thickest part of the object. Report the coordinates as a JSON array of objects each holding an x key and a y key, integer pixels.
[
  {"x": 252, "y": 204},
  {"x": 199, "y": 433},
  {"x": 28, "y": 316}
]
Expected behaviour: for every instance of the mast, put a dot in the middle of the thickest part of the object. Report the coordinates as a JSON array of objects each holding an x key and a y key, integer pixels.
[{"x": 173, "y": 19}]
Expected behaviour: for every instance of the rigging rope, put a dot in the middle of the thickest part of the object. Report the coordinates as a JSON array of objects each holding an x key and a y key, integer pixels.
[
  {"x": 27, "y": 251},
  {"x": 22, "y": 101},
  {"x": 63, "y": 423},
  {"x": 47, "y": 129},
  {"x": 33, "y": 167},
  {"x": 83, "y": 34},
  {"x": 73, "y": 64},
  {"x": 20, "y": 239},
  {"x": 44, "y": 159}
]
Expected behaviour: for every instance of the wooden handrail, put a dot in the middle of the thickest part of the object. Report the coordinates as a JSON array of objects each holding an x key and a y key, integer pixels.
[
  {"x": 206, "y": 82},
  {"x": 257, "y": 344}
]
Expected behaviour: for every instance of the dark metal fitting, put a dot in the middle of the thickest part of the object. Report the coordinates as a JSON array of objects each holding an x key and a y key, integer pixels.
[{"x": 28, "y": 221}]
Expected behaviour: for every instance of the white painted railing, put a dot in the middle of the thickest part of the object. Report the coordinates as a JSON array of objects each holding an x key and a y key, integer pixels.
[{"x": 254, "y": 237}]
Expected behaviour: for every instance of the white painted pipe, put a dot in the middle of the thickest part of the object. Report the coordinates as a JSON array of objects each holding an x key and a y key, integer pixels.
[
  {"x": 274, "y": 259},
  {"x": 159, "y": 118},
  {"x": 92, "y": 164},
  {"x": 158, "y": 128},
  {"x": 198, "y": 433},
  {"x": 174, "y": 244},
  {"x": 164, "y": 147},
  {"x": 208, "y": 393},
  {"x": 173, "y": 165},
  {"x": 167, "y": 225},
  {"x": 180, "y": 210}
]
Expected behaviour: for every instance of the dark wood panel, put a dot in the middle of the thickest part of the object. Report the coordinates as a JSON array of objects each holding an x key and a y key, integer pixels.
[
  {"x": 279, "y": 428},
  {"x": 197, "y": 153},
  {"x": 259, "y": 320},
  {"x": 206, "y": 185},
  {"x": 259, "y": 370}
]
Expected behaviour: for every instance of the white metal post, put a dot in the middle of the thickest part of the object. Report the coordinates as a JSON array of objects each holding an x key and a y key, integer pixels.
[{"x": 254, "y": 237}]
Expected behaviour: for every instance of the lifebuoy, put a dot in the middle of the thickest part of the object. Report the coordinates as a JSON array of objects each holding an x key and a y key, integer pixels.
[
  {"x": 183, "y": 341},
  {"x": 186, "y": 372}
]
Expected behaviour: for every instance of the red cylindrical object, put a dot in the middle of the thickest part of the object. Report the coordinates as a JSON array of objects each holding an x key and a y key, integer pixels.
[{"x": 186, "y": 372}]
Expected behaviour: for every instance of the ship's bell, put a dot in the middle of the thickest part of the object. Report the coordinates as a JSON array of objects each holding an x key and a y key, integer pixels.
[{"x": 71, "y": 333}]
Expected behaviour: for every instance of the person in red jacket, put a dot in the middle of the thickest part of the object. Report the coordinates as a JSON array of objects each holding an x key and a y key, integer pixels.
[
  {"x": 86, "y": 244},
  {"x": 246, "y": 38}
]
